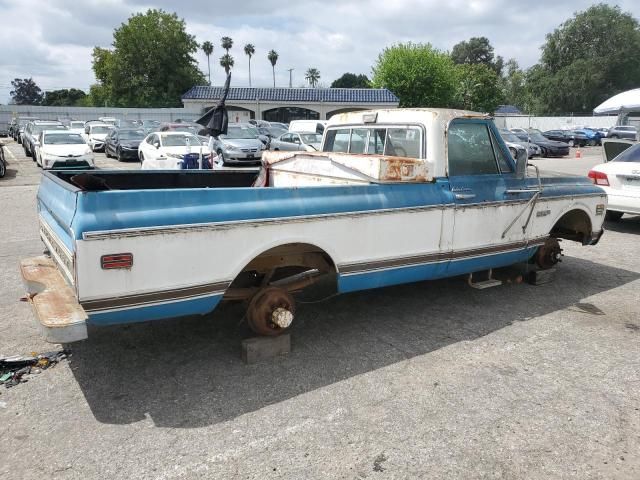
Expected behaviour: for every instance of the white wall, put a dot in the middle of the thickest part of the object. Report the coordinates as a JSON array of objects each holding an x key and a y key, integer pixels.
[
  {"x": 7, "y": 112},
  {"x": 554, "y": 123}
]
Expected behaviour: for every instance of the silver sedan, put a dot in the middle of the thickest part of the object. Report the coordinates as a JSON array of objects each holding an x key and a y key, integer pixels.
[{"x": 294, "y": 141}]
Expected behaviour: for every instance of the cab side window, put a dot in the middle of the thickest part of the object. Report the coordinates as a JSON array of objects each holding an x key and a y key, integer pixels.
[
  {"x": 504, "y": 162},
  {"x": 470, "y": 149},
  {"x": 337, "y": 141}
]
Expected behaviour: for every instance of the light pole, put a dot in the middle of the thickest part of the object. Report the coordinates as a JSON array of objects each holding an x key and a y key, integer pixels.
[{"x": 290, "y": 70}]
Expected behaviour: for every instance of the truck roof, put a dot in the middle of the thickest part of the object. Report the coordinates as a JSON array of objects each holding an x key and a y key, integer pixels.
[{"x": 403, "y": 115}]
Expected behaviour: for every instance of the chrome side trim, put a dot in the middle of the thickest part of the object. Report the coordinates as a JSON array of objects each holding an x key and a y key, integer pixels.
[
  {"x": 156, "y": 297},
  {"x": 137, "y": 232},
  {"x": 400, "y": 262}
]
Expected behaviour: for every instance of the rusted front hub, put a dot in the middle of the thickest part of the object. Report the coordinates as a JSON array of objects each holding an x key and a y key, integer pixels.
[
  {"x": 548, "y": 255},
  {"x": 271, "y": 311}
]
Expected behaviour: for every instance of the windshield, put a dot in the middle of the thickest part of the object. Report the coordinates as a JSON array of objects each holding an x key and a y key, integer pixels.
[
  {"x": 131, "y": 134},
  {"x": 184, "y": 128},
  {"x": 538, "y": 137},
  {"x": 240, "y": 133},
  {"x": 510, "y": 137},
  {"x": 311, "y": 137},
  {"x": 180, "y": 140},
  {"x": 99, "y": 129},
  {"x": 39, "y": 128},
  {"x": 631, "y": 154},
  {"x": 63, "y": 139},
  {"x": 76, "y": 124}
]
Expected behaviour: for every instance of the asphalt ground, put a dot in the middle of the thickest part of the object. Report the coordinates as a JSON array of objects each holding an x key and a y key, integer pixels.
[{"x": 428, "y": 380}]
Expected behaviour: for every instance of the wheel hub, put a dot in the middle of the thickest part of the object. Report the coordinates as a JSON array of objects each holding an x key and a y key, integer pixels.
[
  {"x": 549, "y": 254},
  {"x": 271, "y": 311}
]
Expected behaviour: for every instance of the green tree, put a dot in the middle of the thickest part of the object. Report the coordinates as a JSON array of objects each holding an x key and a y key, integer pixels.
[
  {"x": 351, "y": 80},
  {"x": 226, "y": 62},
  {"x": 273, "y": 59},
  {"x": 477, "y": 50},
  {"x": 418, "y": 74},
  {"x": 207, "y": 48},
  {"x": 249, "y": 51},
  {"x": 25, "y": 92},
  {"x": 151, "y": 64},
  {"x": 226, "y": 43},
  {"x": 586, "y": 60},
  {"x": 312, "y": 76},
  {"x": 513, "y": 86},
  {"x": 478, "y": 88},
  {"x": 64, "y": 97}
]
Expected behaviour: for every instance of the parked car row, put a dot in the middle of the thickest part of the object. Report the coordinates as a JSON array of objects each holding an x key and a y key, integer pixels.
[{"x": 542, "y": 146}]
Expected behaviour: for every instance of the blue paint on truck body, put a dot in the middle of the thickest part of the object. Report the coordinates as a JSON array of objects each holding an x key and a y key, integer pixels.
[{"x": 71, "y": 213}]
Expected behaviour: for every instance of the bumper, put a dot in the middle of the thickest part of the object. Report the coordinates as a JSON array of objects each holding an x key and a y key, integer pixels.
[
  {"x": 96, "y": 145},
  {"x": 68, "y": 163},
  {"x": 60, "y": 317},
  {"x": 243, "y": 157},
  {"x": 561, "y": 152},
  {"x": 129, "y": 154},
  {"x": 623, "y": 203}
]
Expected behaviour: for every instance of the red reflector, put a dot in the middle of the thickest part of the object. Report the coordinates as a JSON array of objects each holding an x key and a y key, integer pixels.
[
  {"x": 599, "y": 178},
  {"x": 118, "y": 260}
]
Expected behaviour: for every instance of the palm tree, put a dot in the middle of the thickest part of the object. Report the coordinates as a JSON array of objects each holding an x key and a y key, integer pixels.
[
  {"x": 312, "y": 76},
  {"x": 226, "y": 61},
  {"x": 273, "y": 58},
  {"x": 249, "y": 50},
  {"x": 207, "y": 48},
  {"x": 226, "y": 43}
]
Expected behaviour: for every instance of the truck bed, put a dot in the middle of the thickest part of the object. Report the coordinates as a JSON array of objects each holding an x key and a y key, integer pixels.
[{"x": 154, "y": 180}]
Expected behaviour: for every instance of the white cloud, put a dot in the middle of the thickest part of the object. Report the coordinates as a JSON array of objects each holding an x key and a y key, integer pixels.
[{"x": 53, "y": 40}]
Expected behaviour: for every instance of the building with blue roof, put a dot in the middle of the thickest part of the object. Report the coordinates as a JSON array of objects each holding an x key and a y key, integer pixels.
[{"x": 286, "y": 104}]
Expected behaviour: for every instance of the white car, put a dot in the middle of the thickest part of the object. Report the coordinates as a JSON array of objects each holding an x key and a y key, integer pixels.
[
  {"x": 63, "y": 149},
  {"x": 172, "y": 151},
  {"x": 76, "y": 126},
  {"x": 95, "y": 133},
  {"x": 620, "y": 178}
]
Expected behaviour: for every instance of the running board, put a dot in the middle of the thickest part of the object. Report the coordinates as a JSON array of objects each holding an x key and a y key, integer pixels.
[{"x": 488, "y": 282}]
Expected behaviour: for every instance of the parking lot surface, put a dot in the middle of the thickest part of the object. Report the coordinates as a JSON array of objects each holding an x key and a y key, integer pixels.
[{"x": 428, "y": 380}]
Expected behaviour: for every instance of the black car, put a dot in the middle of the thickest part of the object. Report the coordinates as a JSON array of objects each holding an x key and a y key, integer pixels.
[
  {"x": 548, "y": 148},
  {"x": 122, "y": 143},
  {"x": 3, "y": 163},
  {"x": 570, "y": 137}
]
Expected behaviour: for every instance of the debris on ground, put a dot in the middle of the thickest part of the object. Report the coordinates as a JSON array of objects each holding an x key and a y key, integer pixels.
[{"x": 13, "y": 370}]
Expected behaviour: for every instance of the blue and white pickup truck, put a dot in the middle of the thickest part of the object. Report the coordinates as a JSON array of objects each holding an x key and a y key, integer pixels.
[{"x": 395, "y": 196}]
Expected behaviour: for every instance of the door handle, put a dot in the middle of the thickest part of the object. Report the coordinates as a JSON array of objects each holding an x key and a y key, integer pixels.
[
  {"x": 465, "y": 196},
  {"x": 521, "y": 190}
]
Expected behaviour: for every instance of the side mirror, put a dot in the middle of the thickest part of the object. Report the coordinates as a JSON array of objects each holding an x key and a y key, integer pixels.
[
  {"x": 521, "y": 163},
  {"x": 157, "y": 145}
]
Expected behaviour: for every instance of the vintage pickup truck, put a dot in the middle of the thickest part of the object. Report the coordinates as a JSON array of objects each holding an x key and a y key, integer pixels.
[{"x": 395, "y": 196}]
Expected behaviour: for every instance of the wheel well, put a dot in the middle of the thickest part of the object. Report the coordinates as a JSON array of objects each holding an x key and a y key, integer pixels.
[
  {"x": 574, "y": 225},
  {"x": 293, "y": 266}
]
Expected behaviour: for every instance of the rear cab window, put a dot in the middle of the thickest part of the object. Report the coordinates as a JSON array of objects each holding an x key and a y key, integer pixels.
[{"x": 400, "y": 141}]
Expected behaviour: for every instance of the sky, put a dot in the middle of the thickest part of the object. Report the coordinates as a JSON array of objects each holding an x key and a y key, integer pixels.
[{"x": 52, "y": 41}]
